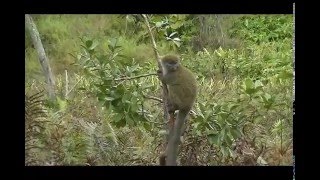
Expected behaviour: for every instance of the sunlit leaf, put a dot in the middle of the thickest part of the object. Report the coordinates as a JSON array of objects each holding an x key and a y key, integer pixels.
[
  {"x": 172, "y": 34},
  {"x": 93, "y": 45},
  {"x": 158, "y": 24}
]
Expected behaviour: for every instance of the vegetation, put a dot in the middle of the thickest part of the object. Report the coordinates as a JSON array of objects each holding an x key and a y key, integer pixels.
[{"x": 108, "y": 108}]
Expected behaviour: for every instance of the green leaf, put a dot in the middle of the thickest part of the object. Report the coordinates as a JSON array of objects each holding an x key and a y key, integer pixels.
[
  {"x": 147, "y": 86},
  {"x": 199, "y": 132},
  {"x": 117, "y": 118},
  {"x": 109, "y": 98},
  {"x": 213, "y": 138},
  {"x": 202, "y": 110},
  {"x": 208, "y": 113},
  {"x": 224, "y": 151},
  {"x": 93, "y": 45},
  {"x": 89, "y": 44},
  {"x": 261, "y": 161},
  {"x": 129, "y": 121},
  {"x": 249, "y": 84},
  {"x": 134, "y": 106},
  {"x": 176, "y": 25},
  {"x": 158, "y": 24},
  {"x": 114, "y": 55},
  {"x": 177, "y": 43},
  {"x": 235, "y": 132},
  {"x": 222, "y": 133},
  {"x": 258, "y": 84},
  {"x": 223, "y": 115},
  {"x": 258, "y": 119},
  {"x": 147, "y": 126},
  {"x": 121, "y": 123},
  {"x": 111, "y": 48},
  {"x": 195, "y": 125},
  {"x": 251, "y": 91},
  {"x": 176, "y": 39},
  {"x": 62, "y": 104},
  {"x": 202, "y": 107},
  {"x": 217, "y": 124},
  {"x": 285, "y": 75},
  {"x": 231, "y": 106},
  {"x": 113, "y": 42},
  {"x": 228, "y": 139},
  {"x": 117, "y": 47},
  {"x": 267, "y": 96},
  {"x": 242, "y": 96},
  {"x": 172, "y": 34}
]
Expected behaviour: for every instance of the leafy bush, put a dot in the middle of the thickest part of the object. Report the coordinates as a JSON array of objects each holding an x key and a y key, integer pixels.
[{"x": 263, "y": 28}]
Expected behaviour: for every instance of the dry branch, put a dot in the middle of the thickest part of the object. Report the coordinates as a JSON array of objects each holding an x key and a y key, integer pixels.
[{"x": 164, "y": 86}]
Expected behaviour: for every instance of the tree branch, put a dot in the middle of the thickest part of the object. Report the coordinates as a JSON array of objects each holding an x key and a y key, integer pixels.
[
  {"x": 161, "y": 123},
  {"x": 43, "y": 59},
  {"x": 164, "y": 86},
  {"x": 152, "y": 40},
  {"x": 153, "y": 98},
  {"x": 135, "y": 77}
]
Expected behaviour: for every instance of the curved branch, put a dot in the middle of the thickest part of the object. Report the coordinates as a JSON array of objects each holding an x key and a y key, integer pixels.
[{"x": 153, "y": 98}]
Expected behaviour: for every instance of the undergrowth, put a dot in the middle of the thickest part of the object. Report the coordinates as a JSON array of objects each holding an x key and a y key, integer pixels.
[{"x": 243, "y": 113}]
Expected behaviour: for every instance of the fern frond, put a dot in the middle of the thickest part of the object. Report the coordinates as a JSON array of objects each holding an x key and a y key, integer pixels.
[{"x": 33, "y": 107}]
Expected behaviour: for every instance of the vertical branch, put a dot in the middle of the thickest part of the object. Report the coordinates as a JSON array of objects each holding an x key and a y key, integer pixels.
[
  {"x": 125, "y": 30},
  {"x": 34, "y": 33},
  {"x": 154, "y": 45},
  {"x": 66, "y": 85},
  {"x": 164, "y": 86},
  {"x": 294, "y": 54},
  {"x": 219, "y": 26}
]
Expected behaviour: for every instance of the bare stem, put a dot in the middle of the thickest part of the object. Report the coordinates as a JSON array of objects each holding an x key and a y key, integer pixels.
[
  {"x": 153, "y": 98},
  {"x": 135, "y": 77}
]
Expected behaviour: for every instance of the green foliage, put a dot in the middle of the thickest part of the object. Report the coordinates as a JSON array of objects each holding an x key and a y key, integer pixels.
[
  {"x": 263, "y": 28},
  {"x": 59, "y": 35},
  {"x": 108, "y": 73},
  {"x": 173, "y": 30},
  {"x": 243, "y": 113},
  {"x": 262, "y": 61},
  {"x": 226, "y": 121},
  {"x": 141, "y": 53},
  {"x": 219, "y": 124}
]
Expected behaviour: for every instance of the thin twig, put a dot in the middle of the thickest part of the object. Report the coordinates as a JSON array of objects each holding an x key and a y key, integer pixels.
[
  {"x": 152, "y": 39},
  {"x": 67, "y": 84},
  {"x": 73, "y": 87},
  {"x": 153, "y": 98},
  {"x": 164, "y": 86},
  {"x": 160, "y": 123},
  {"x": 135, "y": 77}
]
